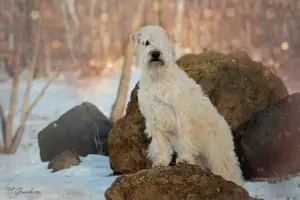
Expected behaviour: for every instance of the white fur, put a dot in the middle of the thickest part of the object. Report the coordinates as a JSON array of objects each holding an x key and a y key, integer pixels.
[{"x": 179, "y": 116}]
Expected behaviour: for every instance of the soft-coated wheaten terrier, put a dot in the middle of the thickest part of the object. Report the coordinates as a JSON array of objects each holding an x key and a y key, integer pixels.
[{"x": 179, "y": 116}]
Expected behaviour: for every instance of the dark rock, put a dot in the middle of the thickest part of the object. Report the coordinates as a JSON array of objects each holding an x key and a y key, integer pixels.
[
  {"x": 83, "y": 128},
  {"x": 236, "y": 85},
  {"x": 179, "y": 182},
  {"x": 268, "y": 144},
  {"x": 64, "y": 160}
]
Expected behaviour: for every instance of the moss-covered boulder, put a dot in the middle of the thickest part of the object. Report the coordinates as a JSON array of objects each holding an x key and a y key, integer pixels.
[
  {"x": 236, "y": 85},
  {"x": 179, "y": 182}
]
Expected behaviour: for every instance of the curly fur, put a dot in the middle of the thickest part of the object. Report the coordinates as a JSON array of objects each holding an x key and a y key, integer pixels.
[{"x": 179, "y": 116}]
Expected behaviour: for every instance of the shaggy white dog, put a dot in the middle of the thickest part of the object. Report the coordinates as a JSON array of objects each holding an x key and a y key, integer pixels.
[{"x": 179, "y": 116}]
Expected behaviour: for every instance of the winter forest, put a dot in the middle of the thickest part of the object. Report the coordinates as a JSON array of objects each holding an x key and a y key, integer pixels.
[{"x": 71, "y": 125}]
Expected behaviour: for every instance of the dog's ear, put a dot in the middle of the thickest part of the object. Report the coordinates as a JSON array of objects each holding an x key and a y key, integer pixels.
[{"x": 135, "y": 37}]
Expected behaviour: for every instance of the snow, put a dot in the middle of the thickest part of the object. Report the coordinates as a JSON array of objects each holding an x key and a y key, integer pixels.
[
  {"x": 25, "y": 172},
  {"x": 87, "y": 181}
]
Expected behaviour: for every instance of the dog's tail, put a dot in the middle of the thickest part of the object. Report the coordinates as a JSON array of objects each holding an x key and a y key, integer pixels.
[{"x": 221, "y": 156}]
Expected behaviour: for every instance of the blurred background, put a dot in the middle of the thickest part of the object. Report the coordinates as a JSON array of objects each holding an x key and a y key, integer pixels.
[
  {"x": 89, "y": 37},
  {"x": 57, "y": 53}
]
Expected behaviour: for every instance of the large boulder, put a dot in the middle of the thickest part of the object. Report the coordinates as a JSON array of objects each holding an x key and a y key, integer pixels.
[
  {"x": 179, "y": 182},
  {"x": 236, "y": 85},
  {"x": 269, "y": 144},
  {"x": 83, "y": 128}
]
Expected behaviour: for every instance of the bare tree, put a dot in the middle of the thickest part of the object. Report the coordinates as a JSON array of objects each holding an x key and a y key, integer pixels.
[
  {"x": 119, "y": 105},
  {"x": 177, "y": 25},
  {"x": 69, "y": 7},
  {"x": 12, "y": 141}
]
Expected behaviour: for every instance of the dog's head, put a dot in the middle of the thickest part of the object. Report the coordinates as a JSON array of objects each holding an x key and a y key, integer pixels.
[{"x": 154, "y": 46}]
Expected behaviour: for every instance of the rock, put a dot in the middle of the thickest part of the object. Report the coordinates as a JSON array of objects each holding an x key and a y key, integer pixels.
[
  {"x": 237, "y": 86},
  {"x": 127, "y": 143},
  {"x": 179, "y": 182},
  {"x": 64, "y": 160},
  {"x": 77, "y": 129},
  {"x": 269, "y": 142}
]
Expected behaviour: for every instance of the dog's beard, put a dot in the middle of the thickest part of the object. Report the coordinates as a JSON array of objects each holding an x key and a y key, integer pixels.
[{"x": 156, "y": 62}]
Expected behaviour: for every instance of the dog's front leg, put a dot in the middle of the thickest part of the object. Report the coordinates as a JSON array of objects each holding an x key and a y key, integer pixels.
[
  {"x": 160, "y": 149},
  {"x": 186, "y": 150}
]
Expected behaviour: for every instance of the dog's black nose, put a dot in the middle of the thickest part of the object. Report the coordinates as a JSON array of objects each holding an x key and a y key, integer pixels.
[{"x": 155, "y": 54}]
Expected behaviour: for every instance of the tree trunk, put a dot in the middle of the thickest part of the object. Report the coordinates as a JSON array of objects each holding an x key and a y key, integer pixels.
[
  {"x": 14, "y": 90},
  {"x": 119, "y": 105}
]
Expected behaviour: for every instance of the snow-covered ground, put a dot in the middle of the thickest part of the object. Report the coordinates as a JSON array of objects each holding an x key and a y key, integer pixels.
[{"x": 24, "y": 172}]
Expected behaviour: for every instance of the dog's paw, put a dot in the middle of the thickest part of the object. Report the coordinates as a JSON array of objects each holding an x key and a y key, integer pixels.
[
  {"x": 185, "y": 160},
  {"x": 181, "y": 162},
  {"x": 161, "y": 163}
]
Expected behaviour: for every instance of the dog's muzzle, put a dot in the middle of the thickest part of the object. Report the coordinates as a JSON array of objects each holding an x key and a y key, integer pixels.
[{"x": 156, "y": 57}]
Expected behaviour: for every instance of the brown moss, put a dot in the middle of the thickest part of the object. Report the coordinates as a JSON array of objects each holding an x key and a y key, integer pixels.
[
  {"x": 247, "y": 86},
  {"x": 177, "y": 182}
]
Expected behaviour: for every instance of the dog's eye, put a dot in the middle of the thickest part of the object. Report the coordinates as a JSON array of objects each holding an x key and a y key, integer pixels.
[{"x": 147, "y": 43}]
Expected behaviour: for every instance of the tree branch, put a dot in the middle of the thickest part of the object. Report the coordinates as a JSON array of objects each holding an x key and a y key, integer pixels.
[
  {"x": 120, "y": 103},
  {"x": 2, "y": 150},
  {"x": 31, "y": 72},
  {"x": 14, "y": 89},
  {"x": 3, "y": 125},
  {"x": 72, "y": 11},
  {"x": 17, "y": 139},
  {"x": 19, "y": 132},
  {"x": 69, "y": 34}
]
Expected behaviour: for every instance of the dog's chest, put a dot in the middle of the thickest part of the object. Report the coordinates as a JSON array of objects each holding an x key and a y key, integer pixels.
[{"x": 155, "y": 107}]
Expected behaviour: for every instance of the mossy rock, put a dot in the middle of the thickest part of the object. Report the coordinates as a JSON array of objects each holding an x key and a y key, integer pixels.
[
  {"x": 236, "y": 85},
  {"x": 179, "y": 182}
]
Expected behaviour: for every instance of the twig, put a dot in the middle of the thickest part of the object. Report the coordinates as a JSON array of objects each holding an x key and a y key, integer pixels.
[
  {"x": 3, "y": 125},
  {"x": 97, "y": 139},
  {"x": 3, "y": 122}
]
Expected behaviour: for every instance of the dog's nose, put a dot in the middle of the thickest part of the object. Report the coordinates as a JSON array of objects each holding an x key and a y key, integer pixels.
[{"x": 155, "y": 54}]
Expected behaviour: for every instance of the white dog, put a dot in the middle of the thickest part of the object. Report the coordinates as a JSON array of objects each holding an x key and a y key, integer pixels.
[{"x": 179, "y": 116}]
